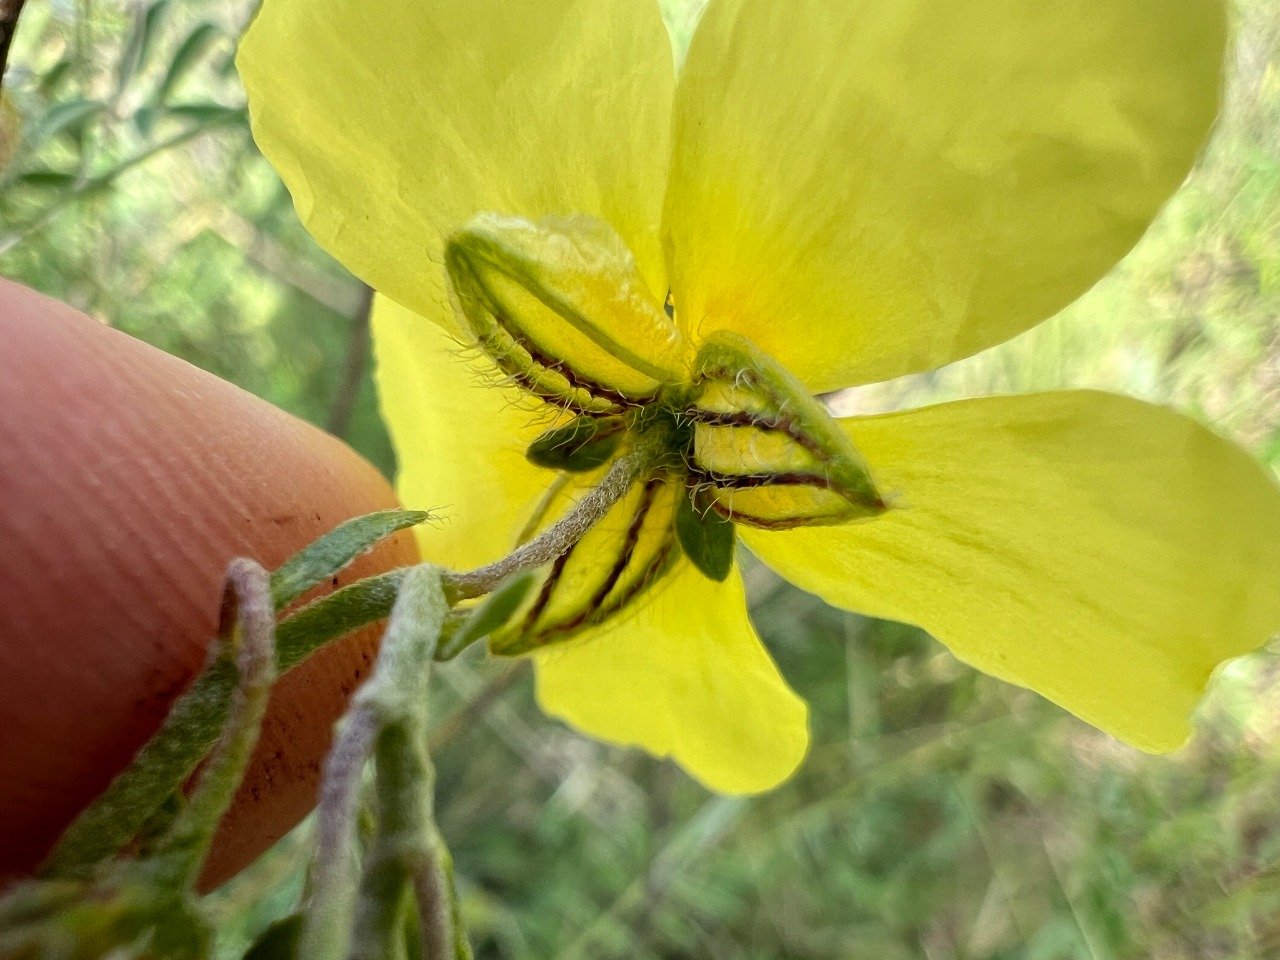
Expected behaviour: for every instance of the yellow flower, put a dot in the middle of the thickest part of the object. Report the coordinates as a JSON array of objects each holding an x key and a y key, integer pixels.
[{"x": 848, "y": 191}]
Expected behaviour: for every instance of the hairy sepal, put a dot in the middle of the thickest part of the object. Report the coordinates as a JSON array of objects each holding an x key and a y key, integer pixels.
[
  {"x": 561, "y": 309},
  {"x": 602, "y": 575},
  {"x": 765, "y": 452}
]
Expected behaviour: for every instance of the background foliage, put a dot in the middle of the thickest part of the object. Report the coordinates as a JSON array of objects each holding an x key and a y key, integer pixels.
[{"x": 940, "y": 815}]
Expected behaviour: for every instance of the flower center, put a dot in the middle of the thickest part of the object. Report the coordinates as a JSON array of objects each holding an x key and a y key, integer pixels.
[{"x": 560, "y": 308}]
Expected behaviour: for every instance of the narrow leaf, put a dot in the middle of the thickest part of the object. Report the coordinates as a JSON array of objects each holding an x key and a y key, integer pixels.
[
  {"x": 246, "y": 639},
  {"x": 209, "y": 114},
  {"x": 51, "y": 78},
  {"x": 335, "y": 615},
  {"x": 496, "y": 610},
  {"x": 196, "y": 721},
  {"x": 188, "y": 732},
  {"x": 48, "y": 179},
  {"x": 156, "y": 19},
  {"x": 141, "y": 44},
  {"x": 68, "y": 116},
  {"x": 337, "y": 548},
  {"x": 188, "y": 55},
  {"x": 144, "y": 119}
]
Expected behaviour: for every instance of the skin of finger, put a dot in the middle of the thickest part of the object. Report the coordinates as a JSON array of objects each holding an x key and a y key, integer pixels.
[{"x": 128, "y": 480}]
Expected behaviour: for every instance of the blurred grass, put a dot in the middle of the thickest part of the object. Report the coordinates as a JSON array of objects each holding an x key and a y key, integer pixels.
[{"x": 940, "y": 815}]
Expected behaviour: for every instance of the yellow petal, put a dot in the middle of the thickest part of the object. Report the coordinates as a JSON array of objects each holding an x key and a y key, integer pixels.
[
  {"x": 874, "y": 187},
  {"x": 460, "y": 439},
  {"x": 1101, "y": 551},
  {"x": 393, "y": 122},
  {"x": 684, "y": 676}
]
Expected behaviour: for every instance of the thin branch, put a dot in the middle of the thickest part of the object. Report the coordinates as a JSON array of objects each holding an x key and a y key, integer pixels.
[
  {"x": 10, "y": 10},
  {"x": 354, "y": 918},
  {"x": 335, "y": 867},
  {"x": 357, "y": 356}
]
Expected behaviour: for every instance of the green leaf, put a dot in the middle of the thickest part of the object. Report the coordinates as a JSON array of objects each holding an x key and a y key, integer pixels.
[
  {"x": 337, "y": 548},
  {"x": 496, "y": 610},
  {"x": 156, "y": 17},
  {"x": 583, "y": 444},
  {"x": 144, "y": 119},
  {"x": 279, "y": 941},
  {"x": 48, "y": 179},
  {"x": 69, "y": 116},
  {"x": 141, "y": 44},
  {"x": 51, "y": 78},
  {"x": 196, "y": 721},
  {"x": 335, "y": 615},
  {"x": 191, "y": 728},
  {"x": 188, "y": 55},
  {"x": 209, "y": 114},
  {"x": 706, "y": 538}
]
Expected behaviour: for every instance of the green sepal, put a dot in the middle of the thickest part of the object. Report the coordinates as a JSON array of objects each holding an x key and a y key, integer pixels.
[
  {"x": 706, "y": 537},
  {"x": 320, "y": 560},
  {"x": 489, "y": 616},
  {"x": 581, "y": 445}
]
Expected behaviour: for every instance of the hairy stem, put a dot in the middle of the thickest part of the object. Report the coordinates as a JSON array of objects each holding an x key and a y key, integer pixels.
[
  {"x": 561, "y": 535},
  {"x": 197, "y": 718},
  {"x": 335, "y": 871},
  {"x": 247, "y": 633},
  {"x": 354, "y": 916},
  {"x": 146, "y": 900}
]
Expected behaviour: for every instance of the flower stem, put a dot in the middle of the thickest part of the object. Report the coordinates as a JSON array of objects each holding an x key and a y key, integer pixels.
[
  {"x": 357, "y": 916},
  {"x": 561, "y": 535}
]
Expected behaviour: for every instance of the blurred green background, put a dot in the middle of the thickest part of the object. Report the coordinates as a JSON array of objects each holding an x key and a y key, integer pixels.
[{"x": 940, "y": 815}]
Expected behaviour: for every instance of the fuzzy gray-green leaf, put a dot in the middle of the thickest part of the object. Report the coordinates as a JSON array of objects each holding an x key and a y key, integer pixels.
[{"x": 337, "y": 548}]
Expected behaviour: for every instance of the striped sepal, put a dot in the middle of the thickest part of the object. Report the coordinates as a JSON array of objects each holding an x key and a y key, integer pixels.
[
  {"x": 609, "y": 569},
  {"x": 559, "y": 306},
  {"x": 765, "y": 452}
]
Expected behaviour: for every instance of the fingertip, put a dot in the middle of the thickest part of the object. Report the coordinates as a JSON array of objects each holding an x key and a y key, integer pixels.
[{"x": 130, "y": 479}]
